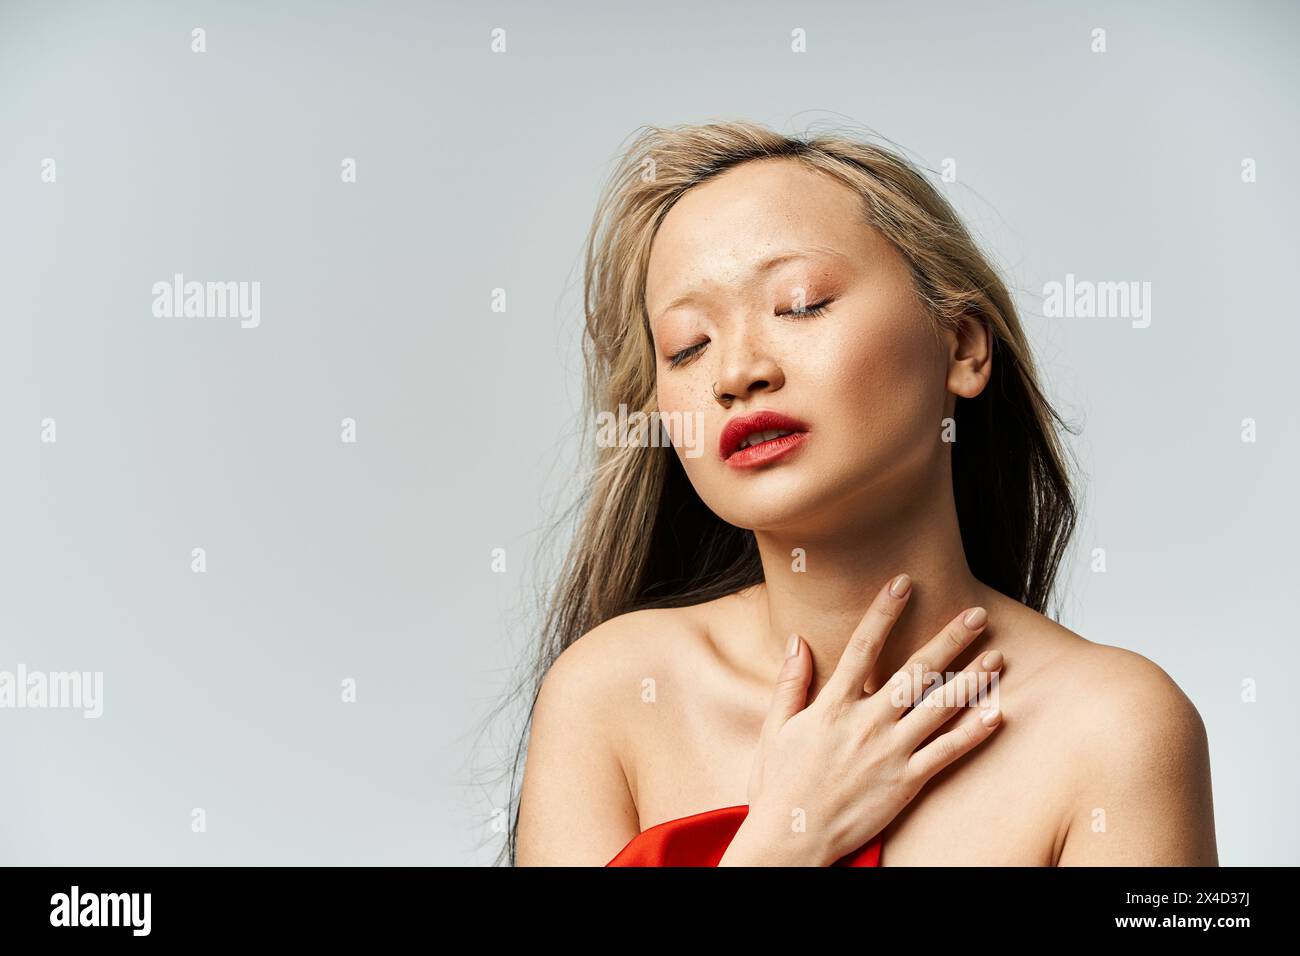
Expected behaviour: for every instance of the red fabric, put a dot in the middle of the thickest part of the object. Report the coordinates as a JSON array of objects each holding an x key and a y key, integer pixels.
[{"x": 702, "y": 838}]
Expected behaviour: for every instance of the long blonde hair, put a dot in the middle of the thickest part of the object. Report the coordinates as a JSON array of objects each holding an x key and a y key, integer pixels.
[{"x": 645, "y": 539}]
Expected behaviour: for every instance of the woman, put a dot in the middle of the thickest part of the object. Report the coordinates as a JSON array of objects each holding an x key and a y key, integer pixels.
[{"x": 881, "y": 491}]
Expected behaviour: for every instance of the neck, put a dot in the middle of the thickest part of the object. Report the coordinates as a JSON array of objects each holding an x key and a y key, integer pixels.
[{"x": 823, "y": 597}]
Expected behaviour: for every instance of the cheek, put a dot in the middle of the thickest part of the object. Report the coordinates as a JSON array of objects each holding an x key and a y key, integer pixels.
[
  {"x": 884, "y": 383},
  {"x": 685, "y": 405},
  {"x": 681, "y": 392}
]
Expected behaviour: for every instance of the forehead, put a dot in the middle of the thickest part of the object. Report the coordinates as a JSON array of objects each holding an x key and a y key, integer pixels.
[{"x": 718, "y": 231}]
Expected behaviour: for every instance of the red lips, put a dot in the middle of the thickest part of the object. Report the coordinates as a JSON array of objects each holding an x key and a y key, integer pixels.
[{"x": 738, "y": 429}]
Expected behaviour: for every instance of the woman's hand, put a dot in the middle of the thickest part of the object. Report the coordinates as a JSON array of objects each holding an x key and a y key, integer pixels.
[{"x": 847, "y": 764}]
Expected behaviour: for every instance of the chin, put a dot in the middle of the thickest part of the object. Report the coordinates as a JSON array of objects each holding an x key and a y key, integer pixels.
[{"x": 772, "y": 500}]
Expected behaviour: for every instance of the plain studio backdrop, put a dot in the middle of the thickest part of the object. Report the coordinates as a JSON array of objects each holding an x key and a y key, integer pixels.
[{"x": 330, "y": 565}]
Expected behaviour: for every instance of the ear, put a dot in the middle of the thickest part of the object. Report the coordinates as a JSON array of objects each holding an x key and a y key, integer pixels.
[{"x": 970, "y": 356}]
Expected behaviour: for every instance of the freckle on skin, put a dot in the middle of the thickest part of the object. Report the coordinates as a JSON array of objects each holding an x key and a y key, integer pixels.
[{"x": 867, "y": 374}]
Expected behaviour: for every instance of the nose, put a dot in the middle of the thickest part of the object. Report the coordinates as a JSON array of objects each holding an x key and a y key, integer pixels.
[{"x": 746, "y": 375}]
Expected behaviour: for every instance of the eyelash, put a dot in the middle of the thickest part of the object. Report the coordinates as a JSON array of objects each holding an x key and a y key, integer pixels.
[{"x": 809, "y": 312}]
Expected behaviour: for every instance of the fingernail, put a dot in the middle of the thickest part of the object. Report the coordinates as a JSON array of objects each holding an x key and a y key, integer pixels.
[
  {"x": 900, "y": 585},
  {"x": 991, "y": 718},
  {"x": 993, "y": 660},
  {"x": 976, "y": 618},
  {"x": 793, "y": 648}
]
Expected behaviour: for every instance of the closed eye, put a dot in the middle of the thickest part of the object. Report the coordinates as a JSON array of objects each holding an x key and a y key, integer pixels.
[
  {"x": 686, "y": 353},
  {"x": 808, "y": 312}
]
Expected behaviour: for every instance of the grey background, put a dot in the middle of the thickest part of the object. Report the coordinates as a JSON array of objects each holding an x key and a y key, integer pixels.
[{"x": 477, "y": 171}]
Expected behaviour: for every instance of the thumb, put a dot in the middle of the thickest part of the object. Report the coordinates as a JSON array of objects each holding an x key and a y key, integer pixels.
[{"x": 791, "y": 692}]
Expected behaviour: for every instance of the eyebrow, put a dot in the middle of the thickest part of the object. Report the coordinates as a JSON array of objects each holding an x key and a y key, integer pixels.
[{"x": 759, "y": 270}]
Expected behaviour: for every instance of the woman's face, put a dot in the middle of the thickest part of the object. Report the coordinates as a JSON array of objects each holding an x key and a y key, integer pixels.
[{"x": 862, "y": 369}]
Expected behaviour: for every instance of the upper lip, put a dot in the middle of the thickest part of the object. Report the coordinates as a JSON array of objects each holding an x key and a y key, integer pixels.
[{"x": 740, "y": 428}]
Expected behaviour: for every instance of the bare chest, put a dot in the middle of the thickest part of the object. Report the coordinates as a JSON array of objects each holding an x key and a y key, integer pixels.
[{"x": 1003, "y": 804}]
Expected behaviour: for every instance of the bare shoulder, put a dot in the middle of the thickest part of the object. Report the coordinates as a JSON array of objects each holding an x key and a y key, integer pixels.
[
  {"x": 607, "y": 672},
  {"x": 1131, "y": 746},
  {"x": 1097, "y": 687},
  {"x": 626, "y": 647},
  {"x": 1144, "y": 794},
  {"x": 577, "y": 802},
  {"x": 1138, "y": 714},
  {"x": 1117, "y": 698}
]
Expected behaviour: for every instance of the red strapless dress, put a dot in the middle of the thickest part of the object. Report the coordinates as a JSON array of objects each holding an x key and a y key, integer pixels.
[{"x": 702, "y": 838}]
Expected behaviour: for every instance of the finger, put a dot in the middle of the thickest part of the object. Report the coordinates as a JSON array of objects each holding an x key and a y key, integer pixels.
[
  {"x": 971, "y": 731},
  {"x": 864, "y": 646},
  {"x": 974, "y": 688},
  {"x": 906, "y": 686},
  {"x": 791, "y": 694}
]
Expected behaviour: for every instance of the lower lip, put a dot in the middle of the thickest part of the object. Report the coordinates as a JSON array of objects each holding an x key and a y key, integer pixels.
[{"x": 767, "y": 451}]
